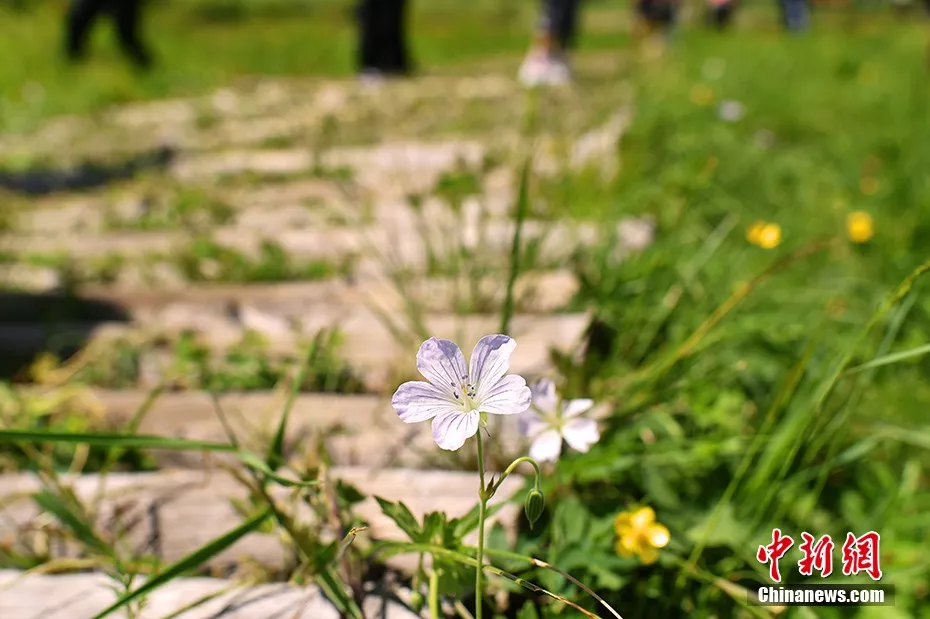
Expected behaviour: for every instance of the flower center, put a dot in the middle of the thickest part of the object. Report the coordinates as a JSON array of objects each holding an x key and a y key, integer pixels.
[{"x": 465, "y": 393}]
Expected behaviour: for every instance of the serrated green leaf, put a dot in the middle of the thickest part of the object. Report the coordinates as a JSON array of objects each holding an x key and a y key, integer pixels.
[{"x": 402, "y": 517}]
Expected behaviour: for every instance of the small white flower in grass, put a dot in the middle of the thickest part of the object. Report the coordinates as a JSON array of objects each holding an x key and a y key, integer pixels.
[
  {"x": 550, "y": 420},
  {"x": 457, "y": 394}
]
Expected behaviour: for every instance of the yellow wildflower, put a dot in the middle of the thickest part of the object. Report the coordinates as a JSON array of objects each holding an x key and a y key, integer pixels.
[
  {"x": 639, "y": 534},
  {"x": 764, "y": 234},
  {"x": 859, "y": 226}
]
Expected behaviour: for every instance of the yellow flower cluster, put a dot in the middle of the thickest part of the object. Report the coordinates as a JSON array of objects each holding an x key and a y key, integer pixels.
[
  {"x": 765, "y": 234},
  {"x": 639, "y": 534}
]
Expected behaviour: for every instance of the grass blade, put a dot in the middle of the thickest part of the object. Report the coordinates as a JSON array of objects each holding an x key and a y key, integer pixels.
[
  {"x": 892, "y": 358},
  {"x": 111, "y": 439},
  {"x": 190, "y": 562},
  {"x": 56, "y": 505},
  {"x": 275, "y": 457},
  {"x": 523, "y": 207}
]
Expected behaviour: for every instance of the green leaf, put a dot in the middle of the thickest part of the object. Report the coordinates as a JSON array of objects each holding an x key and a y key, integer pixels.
[
  {"x": 335, "y": 589},
  {"x": 909, "y": 436},
  {"x": 348, "y": 495},
  {"x": 570, "y": 523},
  {"x": 253, "y": 461},
  {"x": 528, "y": 611},
  {"x": 469, "y": 522},
  {"x": 111, "y": 439},
  {"x": 403, "y": 518},
  {"x": 722, "y": 528},
  {"x": 275, "y": 456},
  {"x": 897, "y": 357},
  {"x": 662, "y": 493},
  {"x": 433, "y": 525},
  {"x": 55, "y": 505},
  {"x": 190, "y": 562}
]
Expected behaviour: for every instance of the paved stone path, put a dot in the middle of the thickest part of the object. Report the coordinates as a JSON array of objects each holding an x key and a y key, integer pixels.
[{"x": 413, "y": 232}]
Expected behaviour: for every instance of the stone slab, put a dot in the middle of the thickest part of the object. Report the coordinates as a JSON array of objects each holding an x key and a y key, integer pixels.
[
  {"x": 82, "y": 596},
  {"x": 171, "y": 509}
]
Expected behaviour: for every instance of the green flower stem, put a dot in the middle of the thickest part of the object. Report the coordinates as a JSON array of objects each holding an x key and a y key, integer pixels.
[
  {"x": 485, "y": 492},
  {"x": 510, "y": 469},
  {"x": 483, "y": 496},
  {"x": 434, "y": 594}
]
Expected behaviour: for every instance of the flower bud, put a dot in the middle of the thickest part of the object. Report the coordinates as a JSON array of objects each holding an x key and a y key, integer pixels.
[
  {"x": 534, "y": 506},
  {"x": 416, "y": 601}
]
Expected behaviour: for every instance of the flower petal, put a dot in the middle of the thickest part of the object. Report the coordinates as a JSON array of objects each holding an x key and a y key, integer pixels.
[
  {"x": 580, "y": 434},
  {"x": 643, "y": 517},
  {"x": 648, "y": 555},
  {"x": 529, "y": 424},
  {"x": 658, "y": 535},
  {"x": 509, "y": 396},
  {"x": 622, "y": 523},
  {"x": 490, "y": 360},
  {"x": 451, "y": 430},
  {"x": 573, "y": 408},
  {"x": 442, "y": 363},
  {"x": 545, "y": 398},
  {"x": 622, "y": 550},
  {"x": 547, "y": 446},
  {"x": 630, "y": 543},
  {"x": 418, "y": 401}
]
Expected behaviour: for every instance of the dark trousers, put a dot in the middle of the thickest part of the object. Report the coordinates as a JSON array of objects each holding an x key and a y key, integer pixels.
[
  {"x": 721, "y": 15},
  {"x": 126, "y": 15},
  {"x": 383, "y": 40},
  {"x": 560, "y": 20},
  {"x": 795, "y": 14},
  {"x": 661, "y": 13}
]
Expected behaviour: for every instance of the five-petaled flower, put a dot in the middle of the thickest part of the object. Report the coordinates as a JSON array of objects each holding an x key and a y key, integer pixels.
[
  {"x": 458, "y": 394},
  {"x": 639, "y": 534},
  {"x": 550, "y": 420}
]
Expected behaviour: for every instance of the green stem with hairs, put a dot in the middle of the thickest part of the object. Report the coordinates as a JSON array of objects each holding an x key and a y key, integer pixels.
[
  {"x": 482, "y": 514},
  {"x": 434, "y": 594}
]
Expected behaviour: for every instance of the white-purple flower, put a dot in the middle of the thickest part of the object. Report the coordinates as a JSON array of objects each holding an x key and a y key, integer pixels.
[
  {"x": 457, "y": 394},
  {"x": 550, "y": 420}
]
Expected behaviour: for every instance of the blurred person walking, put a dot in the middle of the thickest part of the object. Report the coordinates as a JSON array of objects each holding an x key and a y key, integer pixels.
[
  {"x": 657, "y": 15},
  {"x": 126, "y": 16},
  {"x": 382, "y": 39},
  {"x": 720, "y": 12},
  {"x": 795, "y": 14},
  {"x": 546, "y": 62}
]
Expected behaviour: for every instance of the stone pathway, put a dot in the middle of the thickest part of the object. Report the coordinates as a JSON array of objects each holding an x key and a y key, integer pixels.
[
  {"x": 292, "y": 207},
  {"x": 82, "y": 596}
]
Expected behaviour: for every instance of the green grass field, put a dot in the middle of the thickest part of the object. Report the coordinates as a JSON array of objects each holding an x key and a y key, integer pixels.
[{"x": 752, "y": 387}]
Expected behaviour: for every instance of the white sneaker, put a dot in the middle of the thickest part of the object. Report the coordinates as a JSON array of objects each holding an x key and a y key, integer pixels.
[
  {"x": 535, "y": 70},
  {"x": 543, "y": 70},
  {"x": 559, "y": 72},
  {"x": 371, "y": 78}
]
